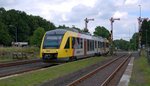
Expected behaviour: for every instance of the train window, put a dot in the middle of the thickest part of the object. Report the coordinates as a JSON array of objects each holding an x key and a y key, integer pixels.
[
  {"x": 73, "y": 42},
  {"x": 67, "y": 44},
  {"x": 95, "y": 44},
  {"x": 78, "y": 44},
  {"x": 88, "y": 45},
  {"x": 101, "y": 44},
  {"x": 52, "y": 41},
  {"x": 81, "y": 42},
  {"x": 98, "y": 44},
  {"x": 92, "y": 45}
]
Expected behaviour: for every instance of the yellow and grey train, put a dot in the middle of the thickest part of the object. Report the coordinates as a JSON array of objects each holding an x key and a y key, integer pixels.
[{"x": 63, "y": 44}]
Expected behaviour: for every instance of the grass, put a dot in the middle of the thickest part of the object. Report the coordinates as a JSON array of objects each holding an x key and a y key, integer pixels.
[
  {"x": 37, "y": 77},
  {"x": 6, "y": 53},
  {"x": 19, "y": 49},
  {"x": 141, "y": 72}
]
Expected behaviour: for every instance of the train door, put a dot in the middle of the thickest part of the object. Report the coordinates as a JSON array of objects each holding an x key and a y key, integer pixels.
[
  {"x": 67, "y": 48},
  {"x": 85, "y": 47}
]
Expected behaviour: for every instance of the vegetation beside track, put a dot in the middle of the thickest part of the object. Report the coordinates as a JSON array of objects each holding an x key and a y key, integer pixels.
[
  {"x": 37, "y": 77},
  {"x": 141, "y": 72},
  {"x": 6, "y": 53}
]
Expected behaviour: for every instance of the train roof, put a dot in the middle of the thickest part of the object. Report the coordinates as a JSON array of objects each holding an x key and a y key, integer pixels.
[
  {"x": 63, "y": 31},
  {"x": 57, "y": 31}
]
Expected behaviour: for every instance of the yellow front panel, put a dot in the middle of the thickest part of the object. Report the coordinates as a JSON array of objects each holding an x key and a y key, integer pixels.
[
  {"x": 50, "y": 51},
  {"x": 63, "y": 53},
  {"x": 41, "y": 47}
]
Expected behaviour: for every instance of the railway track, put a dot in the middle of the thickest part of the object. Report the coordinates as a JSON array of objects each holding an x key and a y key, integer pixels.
[
  {"x": 14, "y": 63},
  {"x": 21, "y": 68},
  {"x": 18, "y": 67},
  {"x": 11, "y": 68},
  {"x": 103, "y": 75}
]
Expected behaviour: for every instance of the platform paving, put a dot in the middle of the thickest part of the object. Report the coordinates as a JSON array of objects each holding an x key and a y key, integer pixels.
[{"x": 124, "y": 81}]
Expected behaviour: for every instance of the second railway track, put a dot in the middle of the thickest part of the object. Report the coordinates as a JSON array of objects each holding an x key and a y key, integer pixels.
[
  {"x": 103, "y": 75},
  {"x": 11, "y": 68},
  {"x": 18, "y": 67}
]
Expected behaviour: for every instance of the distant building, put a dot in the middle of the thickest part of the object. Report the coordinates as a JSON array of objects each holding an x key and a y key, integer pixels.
[{"x": 19, "y": 44}]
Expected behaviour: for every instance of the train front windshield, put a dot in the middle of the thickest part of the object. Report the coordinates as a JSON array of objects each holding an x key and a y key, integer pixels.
[{"x": 52, "y": 41}]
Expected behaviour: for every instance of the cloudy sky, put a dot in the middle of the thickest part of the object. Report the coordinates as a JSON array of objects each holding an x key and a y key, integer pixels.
[{"x": 73, "y": 12}]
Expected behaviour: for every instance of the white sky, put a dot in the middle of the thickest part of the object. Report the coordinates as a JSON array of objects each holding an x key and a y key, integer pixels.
[{"x": 73, "y": 12}]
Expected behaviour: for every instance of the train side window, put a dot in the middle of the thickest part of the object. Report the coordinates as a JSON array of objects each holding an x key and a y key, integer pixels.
[
  {"x": 91, "y": 48},
  {"x": 80, "y": 44},
  {"x": 67, "y": 43},
  {"x": 103, "y": 45},
  {"x": 73, "y": 42},
  {"x": 81, "y": 40},
  {"x": 98, "y": 44},
  {"x": 95, "y": 44},
  {"x": 88, "y": 45}
]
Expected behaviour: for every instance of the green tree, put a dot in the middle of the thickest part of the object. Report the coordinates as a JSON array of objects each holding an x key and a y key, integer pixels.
[
  {"x": 5, "y": 38},
  {"x": 145, "y": 29},
  {"x": 25, "y": 25},
  {"x": 101, "y": 31},
  {"x": 62, "y": 27},
  {"x": 134, "y": 42},
  {"x": 121, "y": 44},
  {"x": 36, "y": 39}
]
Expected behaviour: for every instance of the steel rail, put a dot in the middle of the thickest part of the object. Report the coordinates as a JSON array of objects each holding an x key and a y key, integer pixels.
[
  {"x": 23, "y": 71},
  {"x": 76, "y": 82},
  {"x": 106, "y": 82},
  {"x": 8, "y": 64}
]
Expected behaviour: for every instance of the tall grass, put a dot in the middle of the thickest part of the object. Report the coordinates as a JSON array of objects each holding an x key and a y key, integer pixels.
[
  {"x": 141, "y": 72},
  {"x": 6, "y": 53}
]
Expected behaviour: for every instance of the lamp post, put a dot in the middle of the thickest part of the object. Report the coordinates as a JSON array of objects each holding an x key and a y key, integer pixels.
[
  {"x": 86, "y": 22},
  {"x": 111, "y": 40},
  {"x": 15, "y": 33}
]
